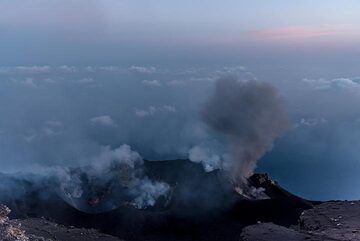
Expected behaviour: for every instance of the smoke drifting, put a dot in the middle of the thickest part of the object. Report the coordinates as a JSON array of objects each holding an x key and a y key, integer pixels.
[
  {"x": 114, "y": 178},
  {"x": 251, "y": 115}
]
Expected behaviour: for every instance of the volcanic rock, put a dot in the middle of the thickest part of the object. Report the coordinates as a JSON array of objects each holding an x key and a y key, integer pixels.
[
  {"x": 337, "y": 221},
  {"x": 202, "y": 206}
]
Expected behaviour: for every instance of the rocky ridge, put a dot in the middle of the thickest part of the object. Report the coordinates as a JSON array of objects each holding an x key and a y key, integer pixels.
[
  {"x": 329, "y": 221},
  {"x": 40, "y": 229}
]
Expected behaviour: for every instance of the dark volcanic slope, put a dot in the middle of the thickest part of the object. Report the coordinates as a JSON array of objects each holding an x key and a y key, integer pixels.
[
  {"x": 51, "y": 231},
  {"x": 38, "y": 229},
  {"x": 337, "y": 221},
  {"x": 203, "y": 206},
  {"x": 193, "y": 188}
]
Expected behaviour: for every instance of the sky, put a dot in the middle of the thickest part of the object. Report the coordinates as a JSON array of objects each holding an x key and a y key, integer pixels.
[
  {"x": 108, "y": 31},
  {"x": 76, "y": 76}
]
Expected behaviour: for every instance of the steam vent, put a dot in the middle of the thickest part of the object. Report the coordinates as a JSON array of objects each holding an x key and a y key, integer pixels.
[{"x": 253, "y": 213}]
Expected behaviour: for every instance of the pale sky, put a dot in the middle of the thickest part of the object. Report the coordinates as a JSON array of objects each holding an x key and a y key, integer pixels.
[{"x": 41, "y": 31}]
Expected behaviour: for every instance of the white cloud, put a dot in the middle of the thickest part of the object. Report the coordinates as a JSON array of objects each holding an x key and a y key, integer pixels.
[
  {"x": 48, "y": 129},
  {"x": 28, "y": 82},
  {"x": 89, "y": 82},
  {"x": 112, "y": 68},
  {"x": 204, "y": 79},
  {"x": 309, "y": 122},
  {"x": 240, "y": 71},
  {"x": 152, "y": 83},
  {"x": 348, "y": 83},
  {"x": 190, "y": 71},
  {"x": 30, "y": 136},
  {"x": 49, "y": 132},
  {"x": 234, "y": 69},
  {"x": 141, "y": 113},
  {"x": 143, "y": 70},
  {"x": 103, "y": 120},
  {"x": 352, "y": 84},
  {"x": 26, "y": 69},
  {"x": 67, "y": 69},
  {"x": 152, "y": 110},
  {"x": 167, "y": 108},
  {"x": 86, "y": 80},
  {"x": 33, "y": 69},
  {"x": 205, "y": 75},
  {"x": 51, "y": 128},
  {"x": 89, "y": 69},
  {"x": 33, "y": 83}
]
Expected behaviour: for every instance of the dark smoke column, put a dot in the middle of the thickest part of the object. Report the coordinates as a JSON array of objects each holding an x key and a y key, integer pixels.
[{"x": 251, "y": 115}]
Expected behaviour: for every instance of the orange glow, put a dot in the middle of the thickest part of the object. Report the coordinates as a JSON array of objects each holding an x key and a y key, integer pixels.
[{"x": 296, "y": 32}]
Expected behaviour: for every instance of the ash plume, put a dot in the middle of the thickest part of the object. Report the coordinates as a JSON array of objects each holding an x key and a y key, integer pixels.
[{"x": 251, "y": 115}]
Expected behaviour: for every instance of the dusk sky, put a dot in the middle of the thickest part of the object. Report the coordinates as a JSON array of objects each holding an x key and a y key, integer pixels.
[
  {"x": 84, "y": 32},
  {"x": 76, "y": 76}
]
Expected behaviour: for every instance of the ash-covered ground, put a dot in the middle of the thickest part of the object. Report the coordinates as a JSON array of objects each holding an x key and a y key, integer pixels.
[{"x": 201, "y": 206}]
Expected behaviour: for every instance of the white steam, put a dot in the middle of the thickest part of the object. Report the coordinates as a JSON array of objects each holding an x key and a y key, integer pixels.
[
  {"x": 208, "y": 158},
  {"x": 147, "y": 192},
  {"x": 118, "y": 175}
]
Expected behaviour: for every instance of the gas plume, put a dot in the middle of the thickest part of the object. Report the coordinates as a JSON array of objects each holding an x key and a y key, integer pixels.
[{"x": 251, "y": 115}]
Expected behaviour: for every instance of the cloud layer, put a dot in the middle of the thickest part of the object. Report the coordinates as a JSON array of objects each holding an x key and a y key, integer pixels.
[{"x": 65, "y": 116}]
